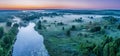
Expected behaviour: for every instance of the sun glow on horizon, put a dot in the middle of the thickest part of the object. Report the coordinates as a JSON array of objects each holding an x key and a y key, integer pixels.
[{"x": 57, "y": 4}]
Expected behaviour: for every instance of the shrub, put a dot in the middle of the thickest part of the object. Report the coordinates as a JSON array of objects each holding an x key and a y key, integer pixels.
[
  {"x": 112, "y": 49},
  {"x": 45, "y": 21},
  {"x": 117, "y": 42},
  {"x": 73, "y": 27},
  {"x": 16, "y": 25},
  {"x": 39, "y": 26},
  {"x": 78, "y": 20},
  {"x": 106, "y": 50},
  {"x": 118, "y": 27},
  {"x": 95, "y": 29},
  {"x": 9, "y": 23},
  {"x": 63, "y": 28},
  {"x": 68, "y": 33},
  {"x": 1, "y": 32},
  {"x": 97, "y": 50},
  {"x": 60, "y": 23},
  {"x": 1, "y": 50}
]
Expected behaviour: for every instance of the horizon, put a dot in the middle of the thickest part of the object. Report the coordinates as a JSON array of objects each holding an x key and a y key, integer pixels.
[{"x": 56, "y": 4}]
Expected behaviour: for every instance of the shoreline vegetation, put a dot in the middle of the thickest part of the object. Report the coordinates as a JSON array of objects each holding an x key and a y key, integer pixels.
[{"x": 7, "y": 39}]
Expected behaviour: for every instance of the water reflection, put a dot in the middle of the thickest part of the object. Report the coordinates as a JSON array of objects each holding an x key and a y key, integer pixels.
[{"x": 29, "y": 42}]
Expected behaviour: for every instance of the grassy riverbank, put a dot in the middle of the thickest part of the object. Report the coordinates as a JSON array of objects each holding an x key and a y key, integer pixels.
[{"x": 80, "y": 39}]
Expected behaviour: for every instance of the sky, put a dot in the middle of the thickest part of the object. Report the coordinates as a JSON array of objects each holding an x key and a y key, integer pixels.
[{"x": 59, "y": 4}]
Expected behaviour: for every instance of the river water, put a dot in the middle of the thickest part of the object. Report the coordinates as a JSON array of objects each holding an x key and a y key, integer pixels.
[{"x": 29, "y": 43}]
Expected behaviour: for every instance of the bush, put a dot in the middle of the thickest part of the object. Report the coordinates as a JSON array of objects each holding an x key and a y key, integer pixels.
[
  {"x": 106, "y": 50},
  {"x": 78, "y": 20},
  {"x": 7, "y": 39},
  {"x": 16, "y": 25},
  {"x": 118, "y": 54},
  {"x": 9, "y": 23},
  {"x": 95, "y": 29},
  {"x": 68, "y": 33},
  {"x": 73, "y": 27},
  {"x": 118, "y": 27},
  {"x": 117, "y": 42},
  {"x": 97, "y": 50},
  {"x": 60, "y": 23},
  {"x": 39, "y": 26},
  {"x": 45, "y": 21},
  {"x": 1, "y": 50},
  {"x": 112, "y": 49},
  {"x": 1, "y": 32},
  {"x": 63, "y": 28}
]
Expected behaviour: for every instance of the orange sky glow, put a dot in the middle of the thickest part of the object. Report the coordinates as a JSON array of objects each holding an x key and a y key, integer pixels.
[{"x": 58, "y": 4}]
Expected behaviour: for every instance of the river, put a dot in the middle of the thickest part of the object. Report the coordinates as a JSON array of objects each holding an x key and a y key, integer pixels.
[{"x": 29, "y": 42}]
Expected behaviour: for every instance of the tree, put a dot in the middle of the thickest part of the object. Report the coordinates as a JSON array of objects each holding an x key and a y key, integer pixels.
[
  {"x": 1, "y": 50},
  {"x": 97, "y": 51},
  {"x": 1, "y": 32},
  {"x": 95, "y": 29},
  {"x": 73, "y": 27},
  {"x": 9, "y": 23},
  {"x": 118, "y": 27},
  {"x": 16, "y": 25},
  {"x": 68, "y": 33},
  {"x": 39, "y": 25},
  {"x": 63, "y": 28},
  {"x": 60, "y": 23}
]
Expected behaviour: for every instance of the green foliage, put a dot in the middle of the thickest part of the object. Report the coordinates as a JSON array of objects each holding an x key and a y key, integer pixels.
[
  {"x": 73, "y": 27},
  {"x": 97, "y": 50},
  {"x": 118, "y": 27},
  {"x": 39, "y": 25},
  {"x": 60, "y": 23},
  {"x": 1, "y": 50},
  {"x": 112, "y": 49},
  {"x": 111, "y": 19},
  {"x": 63, "y": 28},
  {"x": 86, "y": 48},
  {"x": 13, "y": 31},
  {"x": 9, "y": 23},
  {"x": 68, "y": 33},
  {"x": 106, "y": 50},
  {"x": 78, "y": 20},
  {"x": 16, "y": 25},
  {"x": 7, "y": 40},
  {"x": 44, "y": 21},
  {"x": 95, "y": 29},
  {"x": 1, "y": 32},
  {"x": 118, "y": 54},
  {"x": 107, "y": 40},
  {"x": 117, "y": 42}
]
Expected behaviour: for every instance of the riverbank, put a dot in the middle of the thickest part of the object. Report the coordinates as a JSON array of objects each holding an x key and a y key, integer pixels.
[
  {"x": 79, "y": 38},
  {"x": 7, "y": 41}
]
